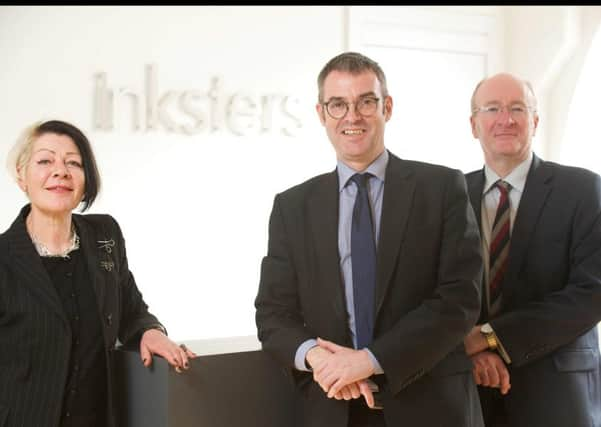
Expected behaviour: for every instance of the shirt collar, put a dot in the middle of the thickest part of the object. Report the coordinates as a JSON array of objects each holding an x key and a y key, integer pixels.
[
  {"x": 377, "y": 168},
  {"x": 517, "y": 177}
]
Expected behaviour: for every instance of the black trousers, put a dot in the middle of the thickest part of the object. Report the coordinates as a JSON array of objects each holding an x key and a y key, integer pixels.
[
  {"x": 360, "y": 415},
  {"x": 493, "y": 407}
]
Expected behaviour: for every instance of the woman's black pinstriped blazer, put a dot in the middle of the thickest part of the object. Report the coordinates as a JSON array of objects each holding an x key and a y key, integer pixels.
[{"x": 35, "y": 336}]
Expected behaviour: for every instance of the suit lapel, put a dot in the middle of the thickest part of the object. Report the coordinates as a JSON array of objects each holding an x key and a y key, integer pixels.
[
  {"x": 27, "y": 265},
  {"x": 322, "y": 213},
  {"x": 399, "y": 186},
  {"x": 91, "y": 248},
  {"x": 536, "y": 190}
]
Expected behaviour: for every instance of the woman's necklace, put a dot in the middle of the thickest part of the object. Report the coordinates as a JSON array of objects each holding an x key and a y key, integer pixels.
[{"x": 45, "y": 252}]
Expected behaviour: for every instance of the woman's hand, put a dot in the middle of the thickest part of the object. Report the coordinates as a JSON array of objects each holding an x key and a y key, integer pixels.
[{"x": 155, "y": 342}]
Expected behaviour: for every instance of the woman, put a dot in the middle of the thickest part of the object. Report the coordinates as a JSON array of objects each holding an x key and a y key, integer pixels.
[{"x": 66, "y": 292}]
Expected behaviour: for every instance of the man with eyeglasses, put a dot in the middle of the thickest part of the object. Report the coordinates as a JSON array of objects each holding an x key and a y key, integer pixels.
[
  {"x": 372, "y": 276},
  {"x": 535, "y": 350}
]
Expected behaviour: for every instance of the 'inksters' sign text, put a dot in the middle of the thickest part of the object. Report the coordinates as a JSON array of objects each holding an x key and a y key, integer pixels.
[{"x": 192, "y": 111}]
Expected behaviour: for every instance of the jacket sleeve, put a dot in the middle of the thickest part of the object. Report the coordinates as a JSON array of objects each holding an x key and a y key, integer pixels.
[
  {"x": 278, "y": 314},
  {"x": 560, "y": 281}
]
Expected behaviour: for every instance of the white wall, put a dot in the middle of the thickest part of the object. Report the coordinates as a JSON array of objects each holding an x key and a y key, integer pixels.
[
  {"x": 547, "y": 45},
  {"x": 580, "y": 135},
  {"x": 563, "y": 96},
  {"x": 193, "y": 208}
]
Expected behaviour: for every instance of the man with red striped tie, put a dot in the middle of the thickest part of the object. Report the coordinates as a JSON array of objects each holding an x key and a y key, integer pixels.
[{"x": 535, "y": 349}]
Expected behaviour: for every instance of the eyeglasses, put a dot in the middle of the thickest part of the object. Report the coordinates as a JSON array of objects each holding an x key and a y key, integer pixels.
[
  {"x": 338, "y": 108},
  {"x": 516, "y": 111}
]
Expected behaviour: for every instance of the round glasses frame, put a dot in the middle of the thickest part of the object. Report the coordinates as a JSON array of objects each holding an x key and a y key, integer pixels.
[{"x": 338, "y": 108}]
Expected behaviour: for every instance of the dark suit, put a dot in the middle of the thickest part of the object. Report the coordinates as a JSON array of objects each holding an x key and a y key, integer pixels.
[
  {"x": 35, "y": 336},
  {"x": 552, "y": 299},
  {"x": 427, "y": 294}
]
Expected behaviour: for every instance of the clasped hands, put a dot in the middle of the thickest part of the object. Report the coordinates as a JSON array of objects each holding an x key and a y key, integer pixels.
[
  {"x": 489, "y": 370},
  {"x": 155, "y": 342},
  {"x": 341, "y": 372}
]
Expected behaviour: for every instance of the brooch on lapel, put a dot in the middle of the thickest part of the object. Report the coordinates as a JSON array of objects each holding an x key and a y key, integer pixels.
[
  {"x": 107, "y": 265},
  {"x": 107, "y": 245}
]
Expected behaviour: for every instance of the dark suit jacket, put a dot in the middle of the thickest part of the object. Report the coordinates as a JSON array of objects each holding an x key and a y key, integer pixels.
[
  {"x": 35, "y": 336},
  {"x": 427, "y": 293},
  {"x": 552, "y": 298}
]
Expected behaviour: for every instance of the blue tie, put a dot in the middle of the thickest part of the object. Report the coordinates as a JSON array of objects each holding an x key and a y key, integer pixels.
[{"x": 363, "y": 259}]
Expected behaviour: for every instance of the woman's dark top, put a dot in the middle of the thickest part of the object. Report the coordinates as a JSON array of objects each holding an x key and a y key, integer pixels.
[{"x": 85, "y": 398}]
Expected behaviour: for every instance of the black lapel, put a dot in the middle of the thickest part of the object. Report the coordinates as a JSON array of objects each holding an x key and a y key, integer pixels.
[
  {"x": 536, "y": 190},
  {"x": 399, "y": 186},
  {"x": 27, "y": 265},
  {"x": 92, "y": 249},
  {"x": 322, "y": 216}
]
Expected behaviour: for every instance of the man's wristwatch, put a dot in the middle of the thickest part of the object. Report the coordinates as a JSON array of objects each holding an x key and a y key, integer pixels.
[{"x": 490, "y": 336}]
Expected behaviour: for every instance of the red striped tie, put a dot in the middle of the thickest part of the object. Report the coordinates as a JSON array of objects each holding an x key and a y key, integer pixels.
[{"x": 499, "y": 247}]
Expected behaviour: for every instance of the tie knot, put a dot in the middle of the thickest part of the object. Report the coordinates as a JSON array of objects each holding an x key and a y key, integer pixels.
[
  {"x": 503, "y": 186},
  {"x": 361, "y": 179}
]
